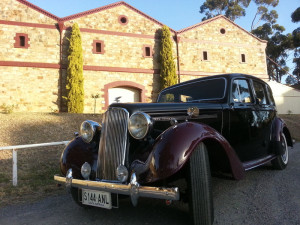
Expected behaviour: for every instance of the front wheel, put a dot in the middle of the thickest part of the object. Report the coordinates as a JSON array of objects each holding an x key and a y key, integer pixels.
[
  {"x": 199, "y": 187},
  {"x": 281, "y": 161}
]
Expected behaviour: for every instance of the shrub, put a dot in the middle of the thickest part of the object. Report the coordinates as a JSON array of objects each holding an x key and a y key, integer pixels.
[
  {"x": 168, "y": 71},
  {"x": 75, "y": 88}
]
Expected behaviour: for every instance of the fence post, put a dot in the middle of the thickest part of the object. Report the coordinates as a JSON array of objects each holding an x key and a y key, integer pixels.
[{"x": 15, "y": 168}]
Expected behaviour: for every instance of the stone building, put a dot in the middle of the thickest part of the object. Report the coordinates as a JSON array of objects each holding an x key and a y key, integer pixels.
[{"x": 120, "y": 50}]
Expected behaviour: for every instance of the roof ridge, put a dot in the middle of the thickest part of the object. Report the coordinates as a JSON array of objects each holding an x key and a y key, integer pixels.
[
  {"x": 215, "y": 18},
  {"x": 36, "y": 8},
  {"x": 91, "y": 11},
  {"x": 198, "y": 24},
  {"x": 112, "y": 5}
]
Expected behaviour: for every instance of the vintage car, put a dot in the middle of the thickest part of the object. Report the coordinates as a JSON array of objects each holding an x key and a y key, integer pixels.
[{"x": 224, "y": 124}]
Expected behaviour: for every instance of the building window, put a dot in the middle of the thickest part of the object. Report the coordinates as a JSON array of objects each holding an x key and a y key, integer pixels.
[
  {"x": 243, "y": 58},
  {"x": 205, "y": 56},
  {"x": 21, "y": 41},
  {"x": 98, "y": 47},
  {"x": 147, "y": 51},
  {"x": 222, "y": 31},
  {"x": 123, "y": 20}
]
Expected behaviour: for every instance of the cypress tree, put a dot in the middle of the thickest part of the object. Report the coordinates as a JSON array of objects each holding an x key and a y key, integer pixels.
[
  {"x": 75, "y": 89},
  {"x": 168, "y": 71}
]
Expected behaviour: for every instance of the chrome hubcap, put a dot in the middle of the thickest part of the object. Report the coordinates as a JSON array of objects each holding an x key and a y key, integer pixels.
[{"x": 285, "y": 156}]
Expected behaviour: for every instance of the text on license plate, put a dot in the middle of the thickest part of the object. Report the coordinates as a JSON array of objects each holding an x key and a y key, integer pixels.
[{"x": 96, "y": 198}]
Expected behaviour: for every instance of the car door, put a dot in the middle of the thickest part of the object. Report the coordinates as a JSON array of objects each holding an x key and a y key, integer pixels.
[
  {"x": 243, "y": 117},
  {"x": 266, "y": 112}
]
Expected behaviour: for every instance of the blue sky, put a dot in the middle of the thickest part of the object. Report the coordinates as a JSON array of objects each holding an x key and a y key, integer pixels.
[{"x": 177, "y": 14}]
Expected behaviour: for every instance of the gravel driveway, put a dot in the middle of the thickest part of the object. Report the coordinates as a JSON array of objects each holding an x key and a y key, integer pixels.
[{"x": 265, "y": 196}]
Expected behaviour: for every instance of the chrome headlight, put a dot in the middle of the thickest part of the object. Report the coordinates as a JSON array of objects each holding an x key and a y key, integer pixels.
[
  {"x": 88, "y": 130},
  {"x": 139, "y": 125}
]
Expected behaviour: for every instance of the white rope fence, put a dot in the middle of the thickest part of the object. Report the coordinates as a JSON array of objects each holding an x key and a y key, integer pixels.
[{"x": 14, "y": 154}]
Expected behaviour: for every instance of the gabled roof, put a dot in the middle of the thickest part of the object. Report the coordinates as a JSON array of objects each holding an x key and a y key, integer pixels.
[
  {"x": 216, "y": 18},
  {"x": 46, "y": 13},
  {"x": 85, "y": 13},
  {"x": 78, "y": 15}
]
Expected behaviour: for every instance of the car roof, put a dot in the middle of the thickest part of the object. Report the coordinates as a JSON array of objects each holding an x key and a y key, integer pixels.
[{"x": 226, "y": 76}]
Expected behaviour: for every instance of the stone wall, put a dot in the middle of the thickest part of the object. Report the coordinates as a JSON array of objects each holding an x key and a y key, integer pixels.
[
  {"x": 44, "y": 44},
  {"x": 29, "y": 89},
  {"x": 96, "y": 80},
  {"x": 108, "y": 20},
  {"x": 13, "y": 10}
]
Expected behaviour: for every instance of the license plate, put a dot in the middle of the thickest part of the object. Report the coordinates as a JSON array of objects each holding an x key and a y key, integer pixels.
[{"x": 96, "y": 198}]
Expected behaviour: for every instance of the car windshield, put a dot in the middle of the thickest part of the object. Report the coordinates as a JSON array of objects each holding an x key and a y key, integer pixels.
[{"x": 211, "y": 89}]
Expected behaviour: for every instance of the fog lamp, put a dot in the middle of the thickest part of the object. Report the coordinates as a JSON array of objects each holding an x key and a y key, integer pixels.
[
  {"x": 122, "y": 173},
  {"x": 86, "y": 171}
]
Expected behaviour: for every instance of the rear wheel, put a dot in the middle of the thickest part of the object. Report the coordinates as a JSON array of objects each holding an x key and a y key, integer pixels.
[
  {"x": 199, "y": 187},
  {"x": 281, "y": 161}
]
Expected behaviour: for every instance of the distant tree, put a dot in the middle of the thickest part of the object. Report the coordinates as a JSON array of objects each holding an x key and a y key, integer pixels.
[
  {"x": 277, "y": 48},
  {"x": 291, "y": 80},
  {"x": 75, "y": 89},
  {"x": 296, "y": 15},
  {"x": 168, "y": 70},
  {"x": 296, "y": 43},
  {"x": 232, "y": 9},
  {"x": 263, "y": 13}
]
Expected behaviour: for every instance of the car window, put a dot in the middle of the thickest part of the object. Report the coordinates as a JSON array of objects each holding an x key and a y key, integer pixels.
[
  {"x": 271, "y": 98},
  {"x": 260, "y": 92},
  {"x": 211, "y": 89},
  {"x": 241, "y": 91}
]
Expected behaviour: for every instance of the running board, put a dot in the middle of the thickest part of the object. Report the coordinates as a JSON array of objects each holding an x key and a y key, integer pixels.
[{"x": 258, "y": 162}]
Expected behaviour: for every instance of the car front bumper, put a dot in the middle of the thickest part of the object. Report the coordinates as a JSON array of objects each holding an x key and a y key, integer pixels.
[{"x": 133, "y": 189}]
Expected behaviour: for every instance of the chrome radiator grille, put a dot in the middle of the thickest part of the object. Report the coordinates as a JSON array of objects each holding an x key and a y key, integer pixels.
[{"x": 113, "y": 143}]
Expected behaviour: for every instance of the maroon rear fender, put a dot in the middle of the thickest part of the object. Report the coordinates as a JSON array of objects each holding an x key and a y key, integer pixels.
[
  {"x": 173, "y": 148},
  {"x": 279, "y": 127}
]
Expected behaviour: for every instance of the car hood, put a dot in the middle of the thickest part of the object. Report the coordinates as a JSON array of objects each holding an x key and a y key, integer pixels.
[{"x": 168, "y": 109}]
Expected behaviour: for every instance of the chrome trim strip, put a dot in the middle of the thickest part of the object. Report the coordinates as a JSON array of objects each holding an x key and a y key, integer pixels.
[{"x": 132, "y": 189}]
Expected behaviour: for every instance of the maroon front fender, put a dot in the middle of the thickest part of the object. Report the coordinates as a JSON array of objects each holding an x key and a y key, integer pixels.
[{"x": 173, "y": 148}]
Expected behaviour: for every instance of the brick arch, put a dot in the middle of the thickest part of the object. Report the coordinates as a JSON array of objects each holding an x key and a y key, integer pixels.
[{"x": 131, "y": 84}]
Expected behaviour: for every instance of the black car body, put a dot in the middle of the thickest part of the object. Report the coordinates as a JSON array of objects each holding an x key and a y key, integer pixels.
[{"x": 224, "y": 123}]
